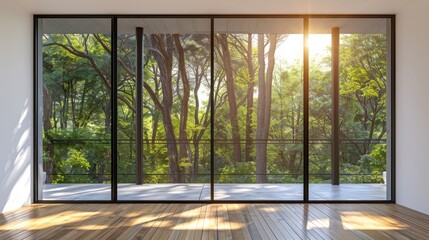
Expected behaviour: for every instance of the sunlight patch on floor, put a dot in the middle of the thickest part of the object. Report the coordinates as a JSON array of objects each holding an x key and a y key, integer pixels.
[
  {"x": 318, "y": 223},
  {"x": 220, "y": 225},
  {"x": 92, "y": 227},
  {"x": 365, "y": 221},
  {"x": 50, "y": 221}
]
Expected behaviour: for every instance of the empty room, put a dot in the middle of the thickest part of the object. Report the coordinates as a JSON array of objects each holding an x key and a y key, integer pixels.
[{"x": 214, "y": 119}]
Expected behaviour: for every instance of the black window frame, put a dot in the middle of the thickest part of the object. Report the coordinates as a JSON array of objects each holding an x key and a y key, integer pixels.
[{"x": 114, "y": 29}]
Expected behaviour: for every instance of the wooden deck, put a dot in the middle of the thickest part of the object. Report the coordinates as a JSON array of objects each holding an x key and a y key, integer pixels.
[
  {"x": 195, "y": 192},
  {"x": 214, "y": 221}
]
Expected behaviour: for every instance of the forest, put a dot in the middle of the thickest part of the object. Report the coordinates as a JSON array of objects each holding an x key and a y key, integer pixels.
[{"x": 258, "y": 109}]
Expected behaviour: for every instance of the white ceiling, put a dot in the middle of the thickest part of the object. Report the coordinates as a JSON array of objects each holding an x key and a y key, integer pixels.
[{"x": 214, "y": 6}]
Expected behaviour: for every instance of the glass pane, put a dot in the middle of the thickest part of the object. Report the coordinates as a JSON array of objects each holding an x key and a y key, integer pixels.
[
  {"x": 361, "y": 155},
  {"x": 258, "y": 99},
  {"x": 176, "y": 109},
  {"x": 74, "y": 82},
  {"x": 259, "y": 109}
]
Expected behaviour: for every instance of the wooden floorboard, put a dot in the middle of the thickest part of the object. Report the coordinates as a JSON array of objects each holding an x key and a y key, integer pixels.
[{"x": 214, "y": 221}]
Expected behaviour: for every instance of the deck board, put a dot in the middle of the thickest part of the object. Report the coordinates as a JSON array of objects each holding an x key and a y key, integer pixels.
[
  {"x": 227, "y": 192},
  {"x": 214, "y": 221}
]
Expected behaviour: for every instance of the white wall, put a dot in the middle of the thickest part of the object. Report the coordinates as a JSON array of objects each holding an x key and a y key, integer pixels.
[
  {"x": 412, "y": 109},
  {"x": 16, "y": 77},
  {"x": 15, "y": 106}
]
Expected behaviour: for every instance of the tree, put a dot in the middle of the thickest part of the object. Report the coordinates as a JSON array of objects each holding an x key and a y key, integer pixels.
[
  {"x": 230, "y": 89},
  {"x": 246, "y": 52},
  {"x": 265, "y": 79},
  {"x": 363, "y": 89}
]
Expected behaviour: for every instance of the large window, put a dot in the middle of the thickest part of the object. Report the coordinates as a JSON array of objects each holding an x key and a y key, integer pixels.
[
  {"x": 75, "y": 114},
  {"x": 206, "y": 108},
  {"x": 172, "y": 159},
  {"x": 258, "y": 126},
  {"x": 349, "y": 108}
]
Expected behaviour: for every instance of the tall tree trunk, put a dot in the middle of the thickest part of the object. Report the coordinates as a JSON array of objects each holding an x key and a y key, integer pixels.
[
  {"x": 47, "y": 114},
  {"x": 195, "y": 140},
  {"x": 249, "y": 104},
  {"x": 64, "y": 108},
  {"x": 155, "y": 114},
  {"x": 261, "y": 146},
  {"x": 230, "y": 88},
  {"x": 152, "y": 144},
  {"x": 101, "y": 169},
  {"x": 163, "y": 57},
  {"x": 155, "y": 123},
  {"x": 184, "y": 148},
  {"x": 107, "y": 109},
  {"x": 199, "y": 73},
  {"x": 174, "y": 174},
  {"x": 264, "y": 105}
]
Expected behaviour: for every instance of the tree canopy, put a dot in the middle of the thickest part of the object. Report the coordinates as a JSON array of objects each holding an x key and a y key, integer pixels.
[{"x": 258, "y": 105}]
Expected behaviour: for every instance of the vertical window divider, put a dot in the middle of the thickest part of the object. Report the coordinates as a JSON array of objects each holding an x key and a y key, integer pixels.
[
  {"x": 114, "y": 104},
  {"x": 335, "y": 91},
  {"x": 35, "y": 109},
  {"x": 306, "y": 110},
  {"x": 212, "y": 110},
  {"x": 139, "y": 106},
  {"x": 392, "y": 93}
]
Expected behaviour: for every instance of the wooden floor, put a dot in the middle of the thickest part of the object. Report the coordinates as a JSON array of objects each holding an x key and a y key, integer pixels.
[{"x": 214, "y": 221}]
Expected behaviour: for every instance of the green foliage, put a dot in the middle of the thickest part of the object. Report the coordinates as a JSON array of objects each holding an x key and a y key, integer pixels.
[
  {"x": 159, "y": 175},
  {"x": 77, "y": 134},
  {"x": 76, "y": 161},
  {"x": 243, "y": 172}
]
